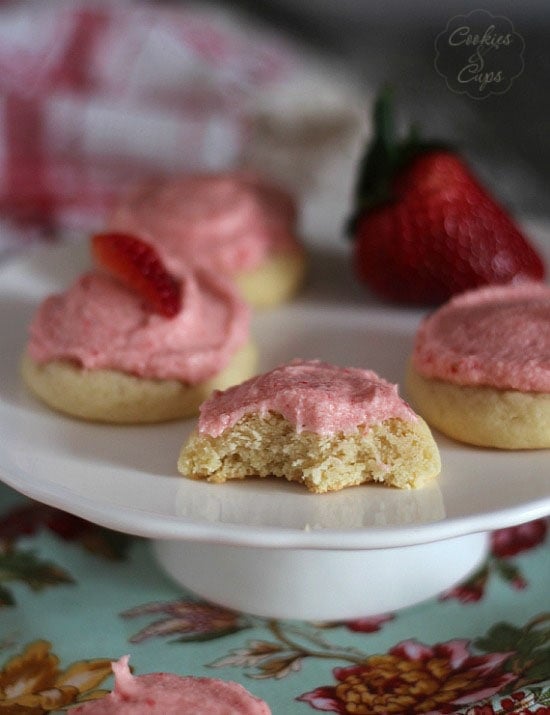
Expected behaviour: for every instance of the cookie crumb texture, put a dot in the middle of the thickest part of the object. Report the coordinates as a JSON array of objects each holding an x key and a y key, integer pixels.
[{"x": 395, "y": 452}]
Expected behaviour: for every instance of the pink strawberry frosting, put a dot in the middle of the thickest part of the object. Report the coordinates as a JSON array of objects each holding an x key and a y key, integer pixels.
[
  {"x": 313, "y": 395},
  {"x": 229, "y": 222},
  {"x": 498, "y": 336},
  {"x": 98, "y": 323},
  {"x": 168, "y": 694}
]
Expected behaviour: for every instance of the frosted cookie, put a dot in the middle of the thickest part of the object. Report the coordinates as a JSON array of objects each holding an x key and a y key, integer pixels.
[
  {"x": 311, "y": 422},
  {"x": 480, "y": 368},
  {"x": 105, "y": 351},
  {"x": 170, "y": 694},
  {"x": 232, "y": 223}
]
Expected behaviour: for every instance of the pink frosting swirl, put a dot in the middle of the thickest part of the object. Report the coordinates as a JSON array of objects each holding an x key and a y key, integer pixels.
[
  {"x": 98, "y": 323},
  {"x": 228, "y": 222},
  {"x": 498, "y": 336},
  {"x": 170, "y": 694},
  {"x": 314, "y": 396}
]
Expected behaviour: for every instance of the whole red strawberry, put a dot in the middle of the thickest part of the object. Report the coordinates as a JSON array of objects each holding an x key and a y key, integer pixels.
[
  {"x": 424, "y": 228},
  {"x": 138, "y": 265}
]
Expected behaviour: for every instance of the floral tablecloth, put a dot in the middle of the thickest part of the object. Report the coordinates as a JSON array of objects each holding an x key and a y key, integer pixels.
[{"x": 75, "y": 596}]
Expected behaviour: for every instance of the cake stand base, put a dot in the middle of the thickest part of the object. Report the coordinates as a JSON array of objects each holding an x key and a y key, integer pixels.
[{"x": 309, "y": 584}]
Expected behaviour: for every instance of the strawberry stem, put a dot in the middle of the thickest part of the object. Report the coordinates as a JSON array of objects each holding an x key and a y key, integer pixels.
[
  {"x": 377, "y": 164},
  {"x": 384, "y": 125}
]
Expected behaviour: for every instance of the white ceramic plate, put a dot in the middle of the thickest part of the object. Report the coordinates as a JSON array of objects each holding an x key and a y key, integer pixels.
[{"x": 125, "y": 477}]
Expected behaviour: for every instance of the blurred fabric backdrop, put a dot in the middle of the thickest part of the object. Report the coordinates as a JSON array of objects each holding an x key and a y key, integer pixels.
[
  {"x": 95, "y": 95},
  {"x": 508, "y": 136}
]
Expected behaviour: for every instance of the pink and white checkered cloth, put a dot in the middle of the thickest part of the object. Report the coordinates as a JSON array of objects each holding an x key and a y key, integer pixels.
[{"x": 94, "y": 96}]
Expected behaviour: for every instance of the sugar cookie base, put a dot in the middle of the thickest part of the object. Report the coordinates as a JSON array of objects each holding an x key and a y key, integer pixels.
[
  {"x": 483, "y": 416},
  {"x": 276, "y": 281},
  {"x": 397, "y": 453},
  {"x": 116, "y": 397}
]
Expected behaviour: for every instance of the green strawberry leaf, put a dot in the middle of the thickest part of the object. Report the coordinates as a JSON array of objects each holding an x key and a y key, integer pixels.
[
  {"x": 384, "y": 157},
  {"x": 377, "y": 164}
]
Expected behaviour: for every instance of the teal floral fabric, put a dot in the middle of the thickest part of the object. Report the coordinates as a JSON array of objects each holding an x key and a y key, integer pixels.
[{"x": 74, "y": 596}]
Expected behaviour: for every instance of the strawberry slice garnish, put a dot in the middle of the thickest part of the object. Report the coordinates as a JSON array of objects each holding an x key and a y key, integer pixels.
[
  {"x": 424, "y": 227},
  {"x": 138, "y": 266}
]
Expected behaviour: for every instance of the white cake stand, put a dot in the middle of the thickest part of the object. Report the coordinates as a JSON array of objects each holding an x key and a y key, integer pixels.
[{"x": 265, "y": 546}]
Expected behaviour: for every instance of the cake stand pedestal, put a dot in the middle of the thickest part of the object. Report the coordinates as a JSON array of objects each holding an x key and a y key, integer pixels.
[{"x": 319, "y": 584}]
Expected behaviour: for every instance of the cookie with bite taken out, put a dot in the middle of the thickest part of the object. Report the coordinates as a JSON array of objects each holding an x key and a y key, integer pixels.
[{"x": 311, "y": 422}]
